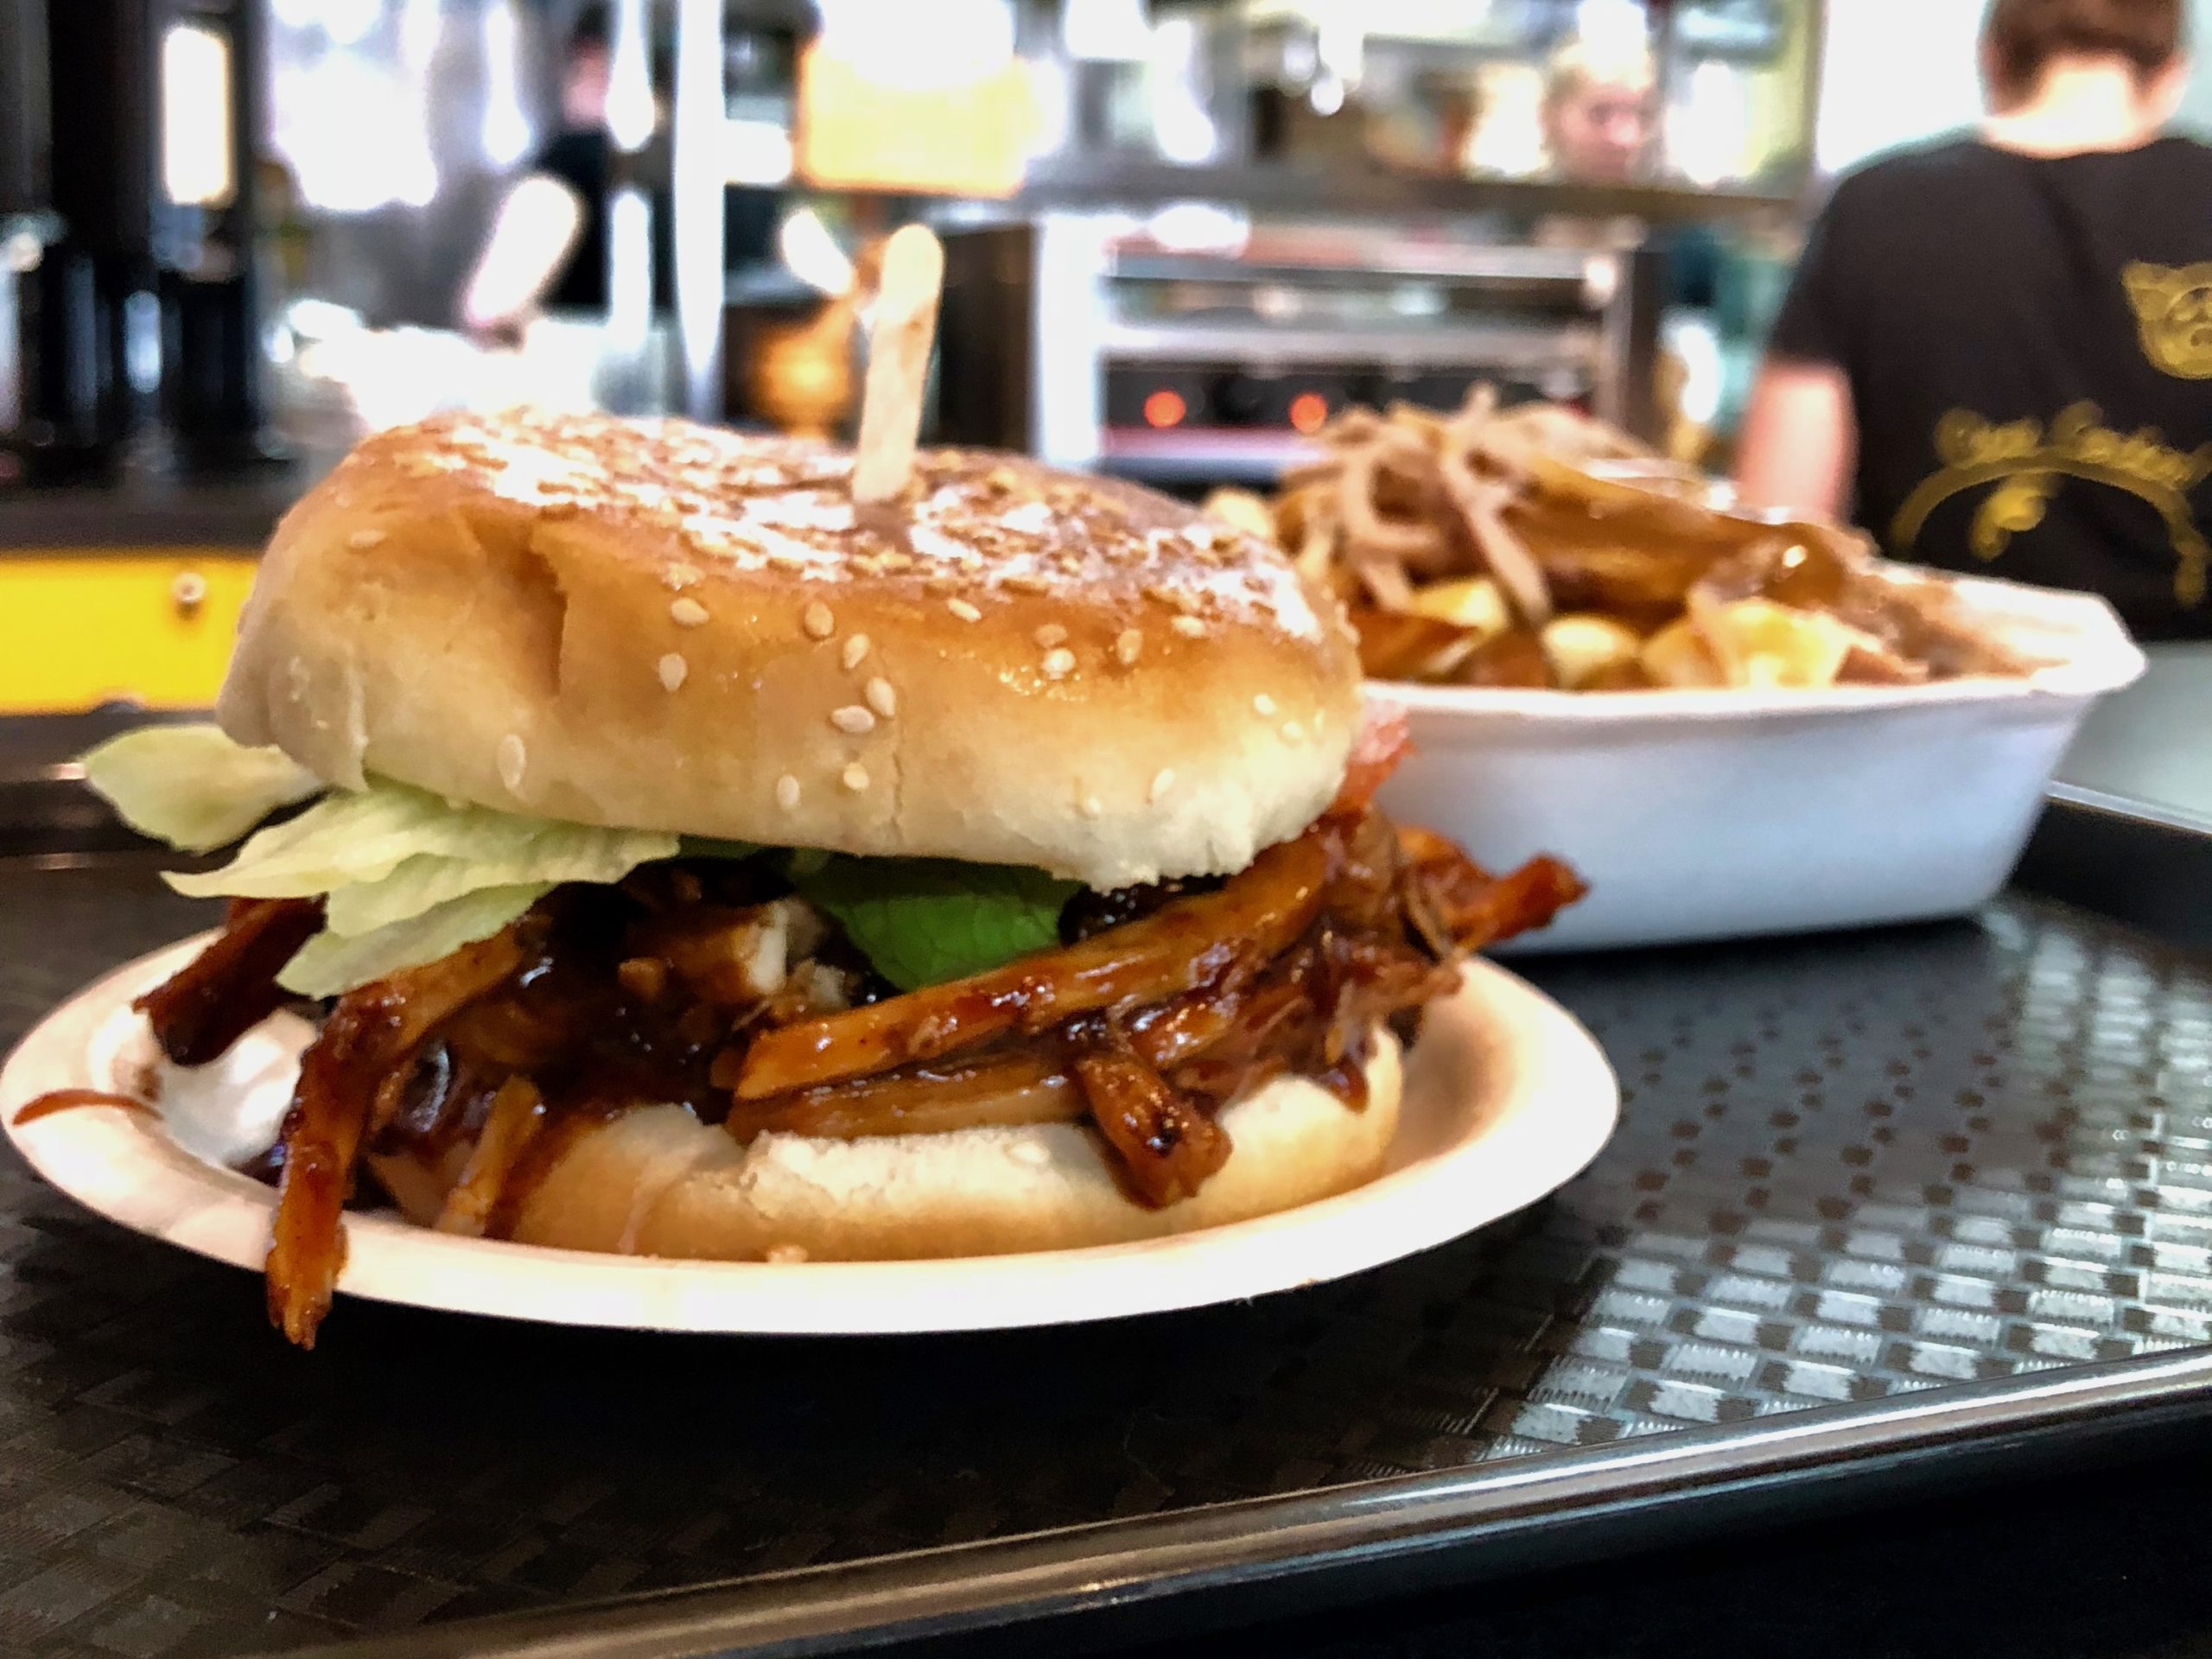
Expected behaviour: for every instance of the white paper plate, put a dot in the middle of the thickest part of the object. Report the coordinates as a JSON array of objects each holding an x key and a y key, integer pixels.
[{"x": 1506, "y": 1099}]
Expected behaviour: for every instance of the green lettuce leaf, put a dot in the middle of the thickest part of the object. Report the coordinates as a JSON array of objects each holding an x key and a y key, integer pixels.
[
  {"x": 330, "y": 964},
  {"x": 426, "y": 880},
  {"x": 407, "y": 876},
  {"x": 922, "y": 921},
  {"x": 191, "y": 786},
  {"x": 355, "y": 837}
]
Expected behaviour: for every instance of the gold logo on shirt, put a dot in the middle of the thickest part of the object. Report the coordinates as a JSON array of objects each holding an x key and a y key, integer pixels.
[
  {"x": 2027, "y": 463},
  {"x": 2173, "y": 313}
]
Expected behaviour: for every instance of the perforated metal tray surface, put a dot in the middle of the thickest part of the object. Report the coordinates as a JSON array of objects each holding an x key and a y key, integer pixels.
[{"x": 1938, "y": 1169}]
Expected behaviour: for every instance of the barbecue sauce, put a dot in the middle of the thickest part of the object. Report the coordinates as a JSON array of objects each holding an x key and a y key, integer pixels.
[{"x": 68, "y": 1100}]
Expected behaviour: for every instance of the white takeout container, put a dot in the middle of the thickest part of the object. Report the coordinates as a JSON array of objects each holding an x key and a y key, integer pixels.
[{"x": 1703, "y": 815}]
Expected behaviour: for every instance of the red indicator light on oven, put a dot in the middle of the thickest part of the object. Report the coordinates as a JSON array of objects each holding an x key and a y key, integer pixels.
[
  {"x": 1309, "y": 411},
  {"x": 1164, "y": 408}
]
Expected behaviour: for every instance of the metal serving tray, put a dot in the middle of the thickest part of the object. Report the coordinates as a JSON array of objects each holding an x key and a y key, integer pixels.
[{"x": 1920, "y": 1203}]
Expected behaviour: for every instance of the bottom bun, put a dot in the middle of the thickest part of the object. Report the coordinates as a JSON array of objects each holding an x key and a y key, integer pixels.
[{"x": 656, "y": 1181}]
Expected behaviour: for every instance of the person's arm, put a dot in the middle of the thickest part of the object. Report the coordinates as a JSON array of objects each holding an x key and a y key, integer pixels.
[
  {"x": 1798, "y": 447},
  {"x": 1800, "y": 440},
  {"x": 535, "y": 231}
]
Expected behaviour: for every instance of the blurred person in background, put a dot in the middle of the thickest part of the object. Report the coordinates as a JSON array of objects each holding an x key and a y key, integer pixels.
[
  {"x": 547, "y": 250},
  {"x": 1601, "y": 119},
  {"x": 2000, "y": 347},
  {"x": 1599, "y": 114}
]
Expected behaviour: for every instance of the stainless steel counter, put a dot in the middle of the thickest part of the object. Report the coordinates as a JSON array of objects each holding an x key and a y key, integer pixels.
[{"x": 2150, "y": 743}]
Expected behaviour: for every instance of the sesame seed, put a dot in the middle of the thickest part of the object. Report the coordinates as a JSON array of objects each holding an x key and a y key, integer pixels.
[
  {"x": 787, "y": 792},
  {"x": 1263, "y": 705},
  {"x": 852, "y": 720},
  {"x": 1292, "y": 731},
  {"x": 1092, "y": 806},
  {"x": 1050, "y": 635},
  {"x": 1162, "y": 781},
  {"x": 687, "y": 612},
  {"x": 963, "y": 610},
  {"x": 1127, "y": 644},
  {"x": 882, "y": 697},
  {"x": 854, "y": 777},
  {"x": 673, "y": 668},
  {"x": 1189, "y": 626},
  {"x": 1059, "y": 665},
  {"x": 364, "y": 538},
  {"x": 817, "y": 622},
  {"x": 680, "y": 576},
  {"x": 855, "y": 648},
  {"x": 785, "y": 1255},
  {"x": 510, "y": 759}
]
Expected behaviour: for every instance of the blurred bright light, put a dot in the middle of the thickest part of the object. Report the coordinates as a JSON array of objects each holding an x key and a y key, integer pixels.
[
  {"x": 1875, "y": 95},
  {"x": 506, "y": 134},
  {"x": 1704, "y": 131},
  {"x": 1105, "y": 31},
  {"x": 629, "y": 270},
  {"x": 420, "y": 25},
  {"x": 1198, "y": 226},
  {"x": 1181, "y": 127},
  {"x": 196, "y": 117},
  {"x": 329, "y": 109},
  {"x": 346, "y": 21},
  {"x": 1051, "y": 105},
  {"x": 756, "y": 152},
  {"x": 630, "y": 116},
  {"x": 812, "y": 254},
  {"x": 898, "y": 43},
  {"x": 1610, "y": 26}
]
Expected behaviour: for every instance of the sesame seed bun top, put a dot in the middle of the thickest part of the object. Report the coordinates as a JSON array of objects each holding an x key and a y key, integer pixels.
[{"x": 664, "y": 626}]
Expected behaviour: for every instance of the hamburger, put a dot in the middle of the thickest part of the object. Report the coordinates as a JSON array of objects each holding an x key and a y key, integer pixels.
[{"x": 697, "y": 862}]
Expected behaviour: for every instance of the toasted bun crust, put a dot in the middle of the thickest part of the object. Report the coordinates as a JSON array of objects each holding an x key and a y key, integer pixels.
[
  {"x": 657, "y": 1182},
  {"x": 662, "y": 626}
]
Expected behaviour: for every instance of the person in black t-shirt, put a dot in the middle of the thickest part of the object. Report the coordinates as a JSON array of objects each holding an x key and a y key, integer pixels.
[
  {"x": 2002, "y": 345},
  {"x": 547, "y": 249}
]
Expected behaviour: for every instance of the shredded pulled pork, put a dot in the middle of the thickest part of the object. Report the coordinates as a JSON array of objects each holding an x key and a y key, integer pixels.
[
  {"x": 231, "y": 987},
  {"x": 707, "y": 983}
]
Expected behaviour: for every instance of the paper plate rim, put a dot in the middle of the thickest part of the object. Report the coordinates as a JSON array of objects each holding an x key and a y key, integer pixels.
[{"x": 1549, "y": 1100}]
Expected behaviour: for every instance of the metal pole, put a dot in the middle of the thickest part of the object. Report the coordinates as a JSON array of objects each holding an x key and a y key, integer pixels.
[
  {"x": 630, "y": 118},
  {"x": 697, "y": 175}
]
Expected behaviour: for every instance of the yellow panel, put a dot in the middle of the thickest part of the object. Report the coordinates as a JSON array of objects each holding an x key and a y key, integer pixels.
[
  {"x": 81, "y": 627},
  {"x": 969, "y": 137}
]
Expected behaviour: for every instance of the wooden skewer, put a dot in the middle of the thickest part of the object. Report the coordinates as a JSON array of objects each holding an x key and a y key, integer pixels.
[{"x": 898, "y": 364}]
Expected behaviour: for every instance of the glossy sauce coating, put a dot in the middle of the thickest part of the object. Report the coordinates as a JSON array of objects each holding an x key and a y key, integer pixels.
[{"x": 70, "y": 1100}]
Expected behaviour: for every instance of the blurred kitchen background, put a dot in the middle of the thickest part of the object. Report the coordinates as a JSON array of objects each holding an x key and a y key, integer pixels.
[{"x": 235, "y": 235}]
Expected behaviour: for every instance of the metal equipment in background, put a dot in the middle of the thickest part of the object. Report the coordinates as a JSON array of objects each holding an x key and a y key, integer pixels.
[{"x": 1071, "y": 339}]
